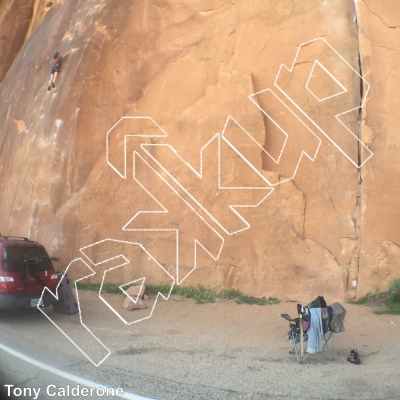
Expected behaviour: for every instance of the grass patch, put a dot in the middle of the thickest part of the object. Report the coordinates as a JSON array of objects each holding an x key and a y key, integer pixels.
[
  {"x": 200, "y": 294},
  {"x": 372, "y": 299},
  {"x": 260, "y": 301},
  {"x": 107, "y": 287},
  {"x": 389, "y": 301}
]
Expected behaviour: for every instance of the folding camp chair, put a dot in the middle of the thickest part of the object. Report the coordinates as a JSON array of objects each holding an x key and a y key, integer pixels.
[{"x": 298, "y": 333}]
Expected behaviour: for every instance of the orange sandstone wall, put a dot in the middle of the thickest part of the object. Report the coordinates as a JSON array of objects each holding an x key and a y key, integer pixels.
[
  {"x": 189, "y": 66},
  {"x": 379, "y": 24},
  {"x": 15, "y": 17}
]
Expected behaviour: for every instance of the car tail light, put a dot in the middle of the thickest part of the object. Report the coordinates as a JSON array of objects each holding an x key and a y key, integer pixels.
[
  {"x": 6, "y": 282},
  {"x": 52, "y": 281}
]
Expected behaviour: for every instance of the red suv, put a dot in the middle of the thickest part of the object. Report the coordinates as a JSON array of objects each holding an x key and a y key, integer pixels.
[{"x": 25, "y": 269}]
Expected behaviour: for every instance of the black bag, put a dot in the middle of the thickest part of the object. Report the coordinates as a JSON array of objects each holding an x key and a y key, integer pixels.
[{"x": 319, "y": 302}]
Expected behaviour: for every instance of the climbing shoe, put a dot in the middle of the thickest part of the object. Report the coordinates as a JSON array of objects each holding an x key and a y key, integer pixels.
[
  {"x": 49, "y": 88},
  {"x": 53, "y": 85}
]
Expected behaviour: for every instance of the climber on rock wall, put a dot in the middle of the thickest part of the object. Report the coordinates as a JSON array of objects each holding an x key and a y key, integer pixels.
[{"x": 55, "y": 69}]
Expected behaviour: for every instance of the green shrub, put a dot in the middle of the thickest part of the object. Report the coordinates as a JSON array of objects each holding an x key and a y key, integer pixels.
[
  {"x": 394, "y": 292},
  {"x": 390, "y": 300},
  {"x": 365, "y": 300}
]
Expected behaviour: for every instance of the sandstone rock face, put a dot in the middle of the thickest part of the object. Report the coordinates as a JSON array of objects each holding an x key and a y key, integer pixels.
[
  {"x": 309, "y": 221},
  {"x": 15, "y": 17},
  {"x": 18, "y": 18},
  {"x": 380, "y": 195}
]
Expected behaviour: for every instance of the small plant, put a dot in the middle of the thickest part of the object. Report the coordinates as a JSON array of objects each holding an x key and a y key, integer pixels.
[
  {"x": 369, "y": 299},
  {"x": 394, "y": 292},
  {"x": 393, "y": 301}
]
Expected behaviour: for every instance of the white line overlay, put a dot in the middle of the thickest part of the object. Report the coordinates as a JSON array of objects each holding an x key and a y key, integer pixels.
[{"x": 66, "y": 375}]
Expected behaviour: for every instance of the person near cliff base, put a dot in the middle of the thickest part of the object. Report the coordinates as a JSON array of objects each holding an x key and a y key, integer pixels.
[{"x": 55, "y": 69}]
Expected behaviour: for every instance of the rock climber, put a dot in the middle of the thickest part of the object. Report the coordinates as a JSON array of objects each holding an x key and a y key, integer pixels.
[{"x": 55, "y": 69}]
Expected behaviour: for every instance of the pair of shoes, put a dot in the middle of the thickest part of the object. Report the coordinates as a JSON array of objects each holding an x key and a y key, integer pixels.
[
  {"x": 49, "y": 87},
  {"x": 354, "y": 358},
  {"x": 53, "y": 85}
]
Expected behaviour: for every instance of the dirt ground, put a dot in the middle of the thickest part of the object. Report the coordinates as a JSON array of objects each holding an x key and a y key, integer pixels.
[{"x": 241, "y": 352}]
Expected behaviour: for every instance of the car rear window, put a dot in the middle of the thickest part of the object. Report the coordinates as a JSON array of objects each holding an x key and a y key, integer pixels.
[{"x": 19, "y": 258}]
